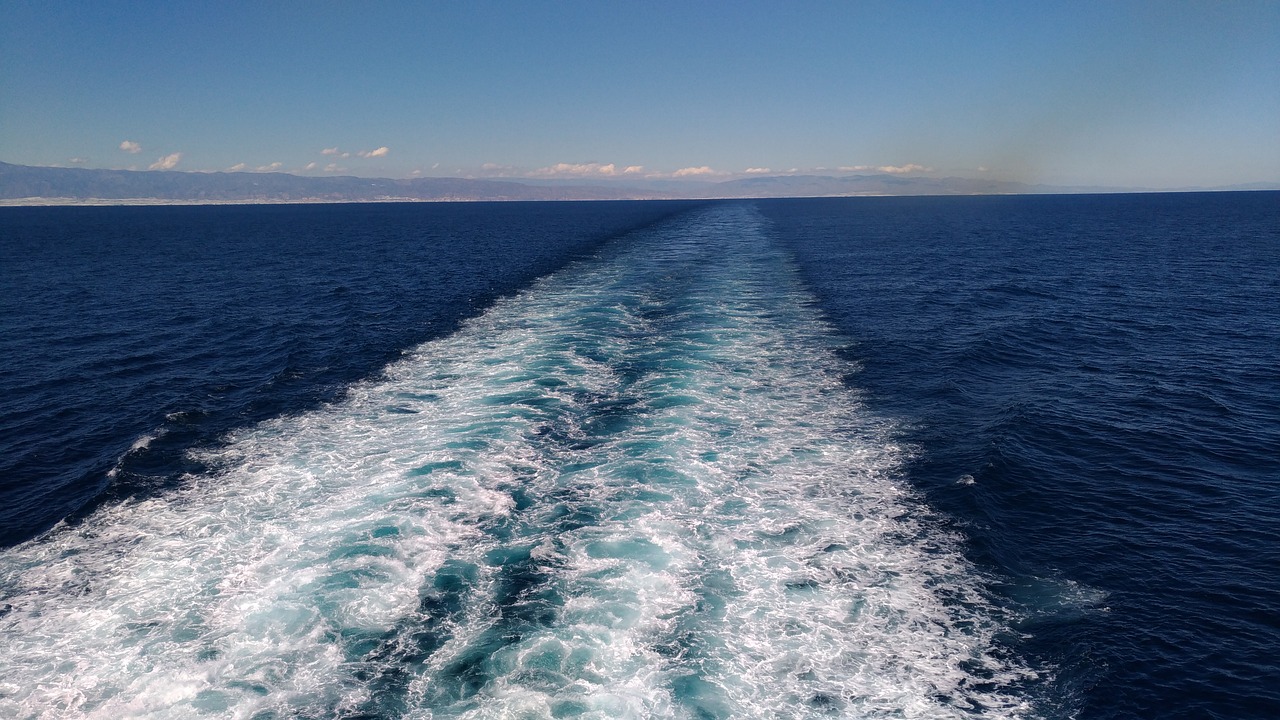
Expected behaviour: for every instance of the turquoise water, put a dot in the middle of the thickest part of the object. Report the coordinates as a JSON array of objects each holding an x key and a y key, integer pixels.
[{"x": 640, "y": 487}]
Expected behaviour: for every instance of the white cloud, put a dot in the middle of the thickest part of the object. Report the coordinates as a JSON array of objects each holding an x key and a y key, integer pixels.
[
  {"x": 270, "y": 168},
  {"x": 583, "y": 170},
  {"x": 130, "y": 146},
  {"x": 77, "y": 161},
  {"x": 329, "y": 151},
  {"x": 380, "y": 152},
  {"x": 491, "y": 169},
  {"x": 983, "y": 168},
  {"x": 237, "y": 167},
  {"x": 756, "y": 171},
  {"x": 891, "y": 169},
  {"x": 903, "y": 169},
  {"x": 576, "y": 170},
  {"x": 693, "y": 171},
  {"x": 416, "y": 173},
  {"x": 310, "y": 166},
  {"x": 168, "y": 162},
  {"x": 333, "y": 167}
]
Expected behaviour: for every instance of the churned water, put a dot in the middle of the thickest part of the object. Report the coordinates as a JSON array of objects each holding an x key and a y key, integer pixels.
[{"x": 945, "y": 457}]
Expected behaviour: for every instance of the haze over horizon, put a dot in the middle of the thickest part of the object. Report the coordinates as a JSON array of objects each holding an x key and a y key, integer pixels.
[{"x": 1122, "y": 94}]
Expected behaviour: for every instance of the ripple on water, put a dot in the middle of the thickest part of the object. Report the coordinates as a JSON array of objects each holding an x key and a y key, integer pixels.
[{"x": 640, "y": 488}]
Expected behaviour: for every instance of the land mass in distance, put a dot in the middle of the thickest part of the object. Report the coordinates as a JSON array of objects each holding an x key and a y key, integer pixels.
[{"x": 29, "y": 185}]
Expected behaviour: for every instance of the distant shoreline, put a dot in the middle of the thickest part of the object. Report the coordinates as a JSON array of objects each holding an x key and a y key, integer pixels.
[
  {"x": 159, "y": 202},
  {"x": 22, "y": 185},
  {"x": 141, "y": 202}
]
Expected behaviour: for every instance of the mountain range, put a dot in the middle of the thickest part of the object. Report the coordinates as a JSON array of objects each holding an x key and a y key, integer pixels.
[{"x": 24, "y": 184}]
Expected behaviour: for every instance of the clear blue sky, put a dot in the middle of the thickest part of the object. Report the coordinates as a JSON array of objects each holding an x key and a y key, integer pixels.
[{"x": 1158, "y": 94}]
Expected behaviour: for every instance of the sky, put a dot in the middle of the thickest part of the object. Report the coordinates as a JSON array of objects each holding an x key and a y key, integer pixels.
[{"x": 1115, "y": 93}]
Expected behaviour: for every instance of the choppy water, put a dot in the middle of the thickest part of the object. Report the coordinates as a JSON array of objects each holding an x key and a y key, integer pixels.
[
  {"x": 637, "y": 488},
  {"x": 942, "y": 457},
  {"x": 1093, "y": 383},
  {"x": 133, "y": 334}
]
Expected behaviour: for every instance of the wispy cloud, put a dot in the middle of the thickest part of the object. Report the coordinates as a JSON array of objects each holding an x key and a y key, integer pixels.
[
  {"x": 904, "y": 169},
  {"x": 596, "y": 170},
  {"x": 168, "y": 162},
  {"x": 891, "y": 169},
  {"x": 756, "y": 171},
  {"x": 694, "y": 172},
  {"x": 270, "y": 168},
  {"x": 311, "y": 166},
  {"x": 491, "y": 169},
  {"x": 237, "y": 167},
  {"x": 78, "y": 161},
  {"x": 131, "y": 147},
  {"x": 336, "y": 152},
  {"x": 380, "y": 152},
  {"x": 588, "y": 169},
  {"x": 333, "y": 168}
]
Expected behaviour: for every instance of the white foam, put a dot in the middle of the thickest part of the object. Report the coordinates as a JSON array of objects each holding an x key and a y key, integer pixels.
[
  {"x": 747, "y": 550},
  {"x": 141, "y": 443}
]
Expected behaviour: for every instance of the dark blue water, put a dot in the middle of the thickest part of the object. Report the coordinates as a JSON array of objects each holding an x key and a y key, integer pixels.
[
  {"x": 1094, "y": 388},
  {"x": 873, "y": 457},
  {"x": 171, "y": 325}
]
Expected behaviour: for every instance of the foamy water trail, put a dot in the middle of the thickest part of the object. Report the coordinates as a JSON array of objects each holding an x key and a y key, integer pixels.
[{"x": 638, "y": 489}]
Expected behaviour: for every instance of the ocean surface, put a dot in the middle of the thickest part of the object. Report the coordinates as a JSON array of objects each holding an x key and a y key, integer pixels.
[{"x": 953, "y": 457}]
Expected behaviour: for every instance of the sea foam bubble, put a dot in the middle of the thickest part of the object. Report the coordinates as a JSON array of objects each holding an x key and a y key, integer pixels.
[{"x": 637, "y": 489}]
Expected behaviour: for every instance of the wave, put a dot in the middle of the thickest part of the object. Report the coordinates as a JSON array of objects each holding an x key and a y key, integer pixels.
[{"x": 637, "y": 489}]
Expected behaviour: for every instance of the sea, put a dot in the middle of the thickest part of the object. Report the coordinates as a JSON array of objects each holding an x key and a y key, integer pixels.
[{"x": 875, "y": 457}]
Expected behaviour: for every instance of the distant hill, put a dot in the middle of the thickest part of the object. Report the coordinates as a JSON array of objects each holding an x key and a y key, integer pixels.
[
  {"x": 23, "y": 183},
  {"x": 882, "y": 184}
]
